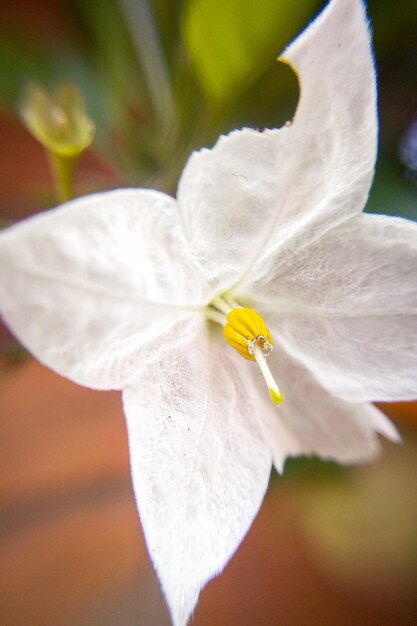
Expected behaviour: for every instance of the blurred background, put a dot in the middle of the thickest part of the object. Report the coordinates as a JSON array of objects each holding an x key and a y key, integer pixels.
[{"x": 160, "y": 78}]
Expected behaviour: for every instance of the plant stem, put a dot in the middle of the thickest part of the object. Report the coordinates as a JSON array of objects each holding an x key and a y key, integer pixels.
[{"x": 63, "y": 168}]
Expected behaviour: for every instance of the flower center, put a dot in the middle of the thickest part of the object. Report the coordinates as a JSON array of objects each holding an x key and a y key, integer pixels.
[{"x": 245, "y": 330}]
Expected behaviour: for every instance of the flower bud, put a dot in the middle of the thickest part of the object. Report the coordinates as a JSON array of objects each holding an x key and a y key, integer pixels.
[{"x": 58, "y": 120}]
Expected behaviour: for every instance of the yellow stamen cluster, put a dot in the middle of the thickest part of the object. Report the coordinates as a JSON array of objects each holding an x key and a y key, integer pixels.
[
  {"x": 246, "y": 331},
  {"x": 244, "y": 327}
]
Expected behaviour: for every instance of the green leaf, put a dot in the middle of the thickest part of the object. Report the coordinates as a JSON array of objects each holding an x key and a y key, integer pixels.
[{"x": 230, "y": 42}]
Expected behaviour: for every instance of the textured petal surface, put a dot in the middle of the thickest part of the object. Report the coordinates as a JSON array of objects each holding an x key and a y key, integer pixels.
[
  {"x": 256, "y": 192},
  {"x": 347, "y": 308},
  {"x": 319, "y": 423},
  {"x": 199, "y": 461},
  {"x": 94, "y": 287}
]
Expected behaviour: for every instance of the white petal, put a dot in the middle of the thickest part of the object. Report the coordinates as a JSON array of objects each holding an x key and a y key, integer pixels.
[
  {"x": 256, "y": 192},
  {"x": 93, "y": 287},
  {"x": 320, "y": 423},
  {"x": 199, "y": 461},
  {"x": 348, "y": 308}
]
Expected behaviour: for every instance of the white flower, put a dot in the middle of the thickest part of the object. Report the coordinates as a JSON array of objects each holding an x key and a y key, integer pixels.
[{"x": 116, "y": 291}]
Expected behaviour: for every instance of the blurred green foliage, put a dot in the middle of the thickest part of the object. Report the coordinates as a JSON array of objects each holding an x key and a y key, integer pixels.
[{"x": 231, "y": 43}]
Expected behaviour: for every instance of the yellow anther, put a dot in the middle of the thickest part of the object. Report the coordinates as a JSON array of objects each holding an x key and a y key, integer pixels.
[
  {"x": 245, "y": 327},
  {"x": 246, "y": 331}
]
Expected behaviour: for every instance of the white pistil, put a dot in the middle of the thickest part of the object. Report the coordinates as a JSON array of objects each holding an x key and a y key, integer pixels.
[{"x": 276, "y": 395}]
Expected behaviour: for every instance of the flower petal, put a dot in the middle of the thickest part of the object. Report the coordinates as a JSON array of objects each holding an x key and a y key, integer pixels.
[
  {"x": 199, "y": 461},
  {"x": 88, "y": 286},
  {"x": 347, "y": 308},
  {"x": 256, "y": 192},
  {"x": 322, "y": 424}
]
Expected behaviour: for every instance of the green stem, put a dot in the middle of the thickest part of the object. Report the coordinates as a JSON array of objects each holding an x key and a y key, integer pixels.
[
  {"x": 147, "y": 43},
  {"x": 63, "y": 169}
]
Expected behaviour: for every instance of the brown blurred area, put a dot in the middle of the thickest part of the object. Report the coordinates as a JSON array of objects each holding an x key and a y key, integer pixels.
[{"x": 71, "y": 547}]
